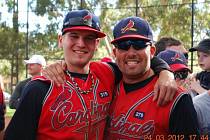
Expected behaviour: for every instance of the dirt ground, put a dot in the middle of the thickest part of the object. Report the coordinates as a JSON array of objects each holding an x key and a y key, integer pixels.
[{"x": 7, "y": 120}]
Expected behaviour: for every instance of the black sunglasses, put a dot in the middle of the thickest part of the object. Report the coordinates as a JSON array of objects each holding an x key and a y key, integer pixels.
[
  {"x": 181, "y": 74},
  {"x": 136, "y": 44}
]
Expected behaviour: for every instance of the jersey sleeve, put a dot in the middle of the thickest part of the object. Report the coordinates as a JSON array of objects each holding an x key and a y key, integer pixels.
[
  {"x": 183, "y": 119},
  {"x": 117, "y": 72},
  {"x": 24, "y": 123},
  {"x": 157, "y": 64},
  {"x": 14, "y": 99}
]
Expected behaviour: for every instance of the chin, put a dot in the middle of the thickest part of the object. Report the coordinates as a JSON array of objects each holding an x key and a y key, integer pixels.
[{"x": 133, "y": 73}]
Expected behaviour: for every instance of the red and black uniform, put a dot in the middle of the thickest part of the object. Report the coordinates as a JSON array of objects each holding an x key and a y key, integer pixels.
[
  {"x": 133, "y": 114},
  {"x": 77, "y": 115},
  {"x": 66, "y": 113},
  {"x": 50, "y": 112}
]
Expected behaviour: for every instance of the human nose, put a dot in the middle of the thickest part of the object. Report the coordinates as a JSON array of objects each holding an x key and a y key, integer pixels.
[
  {"x": 81, "y": 42},
  {"x": 200, "y": 58},
  {"x": 131, "y": 50}
]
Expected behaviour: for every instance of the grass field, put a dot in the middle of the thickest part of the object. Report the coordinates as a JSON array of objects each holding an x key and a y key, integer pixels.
[{"x": 9, "y": 112}]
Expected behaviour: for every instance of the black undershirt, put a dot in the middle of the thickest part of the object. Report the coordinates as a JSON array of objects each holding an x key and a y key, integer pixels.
[{"x": 131, "y": 87}]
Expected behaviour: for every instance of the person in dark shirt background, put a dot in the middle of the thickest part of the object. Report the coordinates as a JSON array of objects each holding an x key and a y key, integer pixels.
[{"x": 34, "y": 66}]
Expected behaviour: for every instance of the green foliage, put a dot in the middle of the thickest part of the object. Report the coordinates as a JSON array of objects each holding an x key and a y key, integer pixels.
[
  {"x": 10, "y": 5},
  {"x": 171, "y": 24},
  {"x": 167, "y": 18},
  {"x": 5, "y": 67},
  {"x": 42, "y": 6},
  {"x": 9, "y": 112}
]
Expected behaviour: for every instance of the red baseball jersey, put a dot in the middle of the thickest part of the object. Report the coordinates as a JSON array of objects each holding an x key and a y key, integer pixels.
[
  {"x": 68, "y": 114},
  {"x": 135, "y": 116},
  {"x": 2, "y": 110},
  {"x": 1, "y": 96}
]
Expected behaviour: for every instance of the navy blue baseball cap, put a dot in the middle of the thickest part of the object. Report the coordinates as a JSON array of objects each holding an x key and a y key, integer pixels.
[
  {"x": 176, "y": 60},
  {"x": 203, "y": 46},
  {"x": 82, "y": 20},
  {"x": 132, "y": 28}
]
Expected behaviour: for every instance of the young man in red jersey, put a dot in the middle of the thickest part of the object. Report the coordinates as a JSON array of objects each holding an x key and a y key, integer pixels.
[
  {"x": 133, "y": 114},
  {"x": 78, "y": 109}
]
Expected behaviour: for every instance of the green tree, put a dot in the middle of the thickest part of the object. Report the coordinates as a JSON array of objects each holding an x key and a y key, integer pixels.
[{"x": 167, "y": 18}]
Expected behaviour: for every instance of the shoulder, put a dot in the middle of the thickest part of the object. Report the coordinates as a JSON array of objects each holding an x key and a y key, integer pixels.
[
  {"x": 101, "y": 68},
  {"x": 41, "y": 78},
  {"x": 181, "y": 93},
  {"x": 99, "y": 64},
  {"x": 36, "y": 90},
  {"x": 23, "y": 82},
  {"x": 202, "y": 73},
  {"x": 182, "y": 99},
  {"x": 35, "y": 87},
  {"x": 201, "y": 100},
  {"x": 183, "y": 103},
  {"x": 202, "y": 96},
  {"x": 37, "y": 84},
  {"x": 26, "y": 80}
]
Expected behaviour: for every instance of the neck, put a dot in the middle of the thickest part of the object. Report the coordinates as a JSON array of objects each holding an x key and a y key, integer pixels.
[
  {"x": 139, "y": 77},
  {"x": 37, "y": 74},
  {"x": 79, "y": 69}
]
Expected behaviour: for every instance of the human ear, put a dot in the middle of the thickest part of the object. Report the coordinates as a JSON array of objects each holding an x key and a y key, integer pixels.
[
  {"x": 152, "y": 51},
  {"x": 114, "y": 52},
  {"x": 97, "y": 43},
  {"x": 60, "y": 39}
]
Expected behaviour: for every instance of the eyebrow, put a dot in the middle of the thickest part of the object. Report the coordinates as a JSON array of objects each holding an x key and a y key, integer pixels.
[
  {"x": 72, "y": 33},
  {"x": 91, "y": 34}
]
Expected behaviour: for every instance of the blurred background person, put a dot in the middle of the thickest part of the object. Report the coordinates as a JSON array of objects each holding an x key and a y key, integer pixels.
[
  {"x": 170, "y": 43},
  {"x": 201, "y": 81},
  {"x": 34, "y": 66},
  {"x": 201, "y": 85},
  {"x": 178, "y": 64},
  {"x": 202, "y": 107},
  {"x": 2, "y": 113},
  {"x": 2, "y": 110}
]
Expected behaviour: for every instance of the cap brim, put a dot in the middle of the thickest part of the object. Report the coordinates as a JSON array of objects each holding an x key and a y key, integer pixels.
[
  {"x": 179, "y": 67},
  {"x": 86, "y": 28},
  {"x": 27, "y": 61},
  {"x": 31, "y": 62},
  {"x": 201, "y": 49},
  {"x": 194, "y": 49},
  {"x": 130, "y": 37}
]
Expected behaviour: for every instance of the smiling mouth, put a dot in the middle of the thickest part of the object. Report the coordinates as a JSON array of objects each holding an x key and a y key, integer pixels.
[
  {"x": 80, "y": 52},
  {"x": 132, "y": 63}
]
